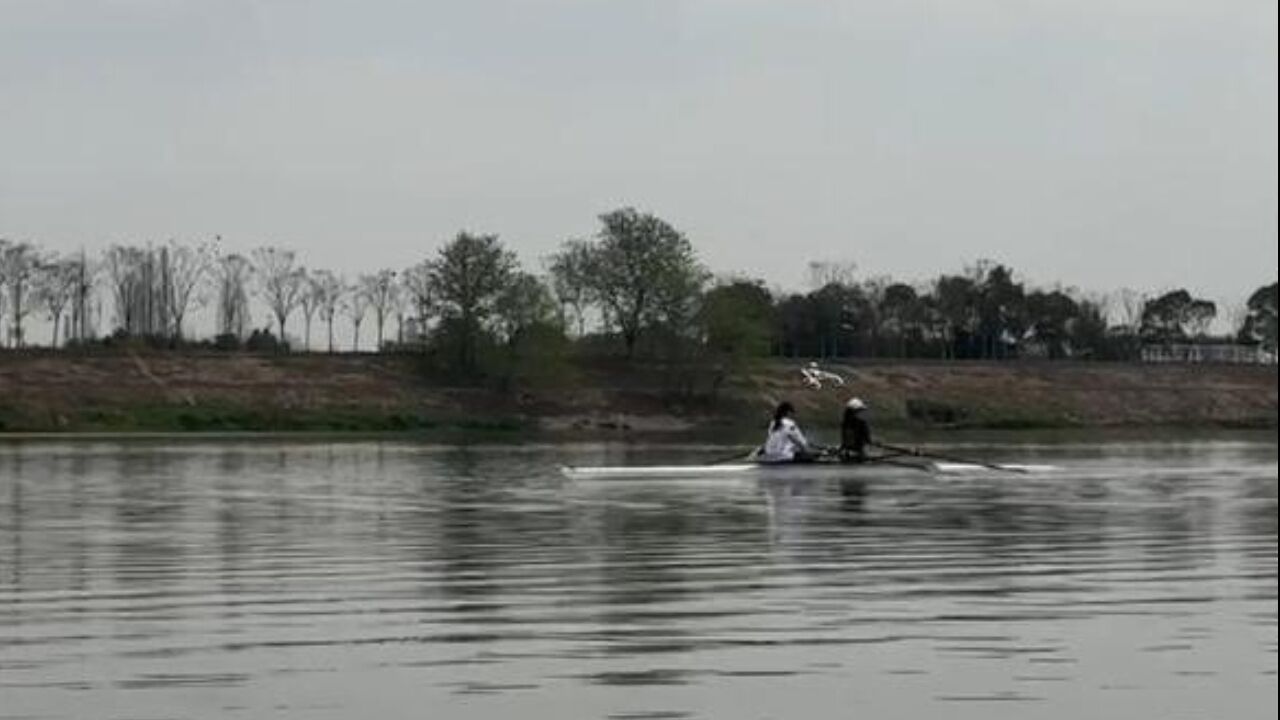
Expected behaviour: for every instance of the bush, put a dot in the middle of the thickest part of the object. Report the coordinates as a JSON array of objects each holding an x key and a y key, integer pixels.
[
  {"x": 226, "y": 342},
  {"x": 264, "y": 341}
]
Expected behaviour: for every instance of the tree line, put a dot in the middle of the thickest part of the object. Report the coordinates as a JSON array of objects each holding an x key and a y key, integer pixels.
[{"x": 637, "y": 288}]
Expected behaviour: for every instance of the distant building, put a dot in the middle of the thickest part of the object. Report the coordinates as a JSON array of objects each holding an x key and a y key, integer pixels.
[{"x": 1230, "y": 353}]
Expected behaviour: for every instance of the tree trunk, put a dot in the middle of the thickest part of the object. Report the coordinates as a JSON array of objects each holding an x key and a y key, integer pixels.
[
  {"x": 15, "y": 323},
  {"x": 468, "y": 342}
]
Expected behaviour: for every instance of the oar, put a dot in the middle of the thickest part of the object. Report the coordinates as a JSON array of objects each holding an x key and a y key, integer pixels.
[
  {"x": 887, "y": 456},
  {"x": 895, "y": 460},
  {"x": 950, "y": 458}
]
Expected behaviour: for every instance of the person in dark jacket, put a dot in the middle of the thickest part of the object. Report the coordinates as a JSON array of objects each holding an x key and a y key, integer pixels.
[{"x": 855, "y": 432}]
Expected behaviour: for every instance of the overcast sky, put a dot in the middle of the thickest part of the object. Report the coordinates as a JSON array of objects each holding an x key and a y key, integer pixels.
[{"x": 1099, "y": 143}]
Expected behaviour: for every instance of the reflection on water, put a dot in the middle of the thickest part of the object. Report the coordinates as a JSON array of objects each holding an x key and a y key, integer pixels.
[{"x": 393, "y": 580}]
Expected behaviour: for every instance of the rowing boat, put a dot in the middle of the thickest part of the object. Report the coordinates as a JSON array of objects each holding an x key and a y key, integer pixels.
[
  {"x": 766, "y": 470},
  {"x": 743, "y": 469}
]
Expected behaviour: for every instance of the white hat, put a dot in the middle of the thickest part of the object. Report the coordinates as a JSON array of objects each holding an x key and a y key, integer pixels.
[{"x": 856, "y": 404}]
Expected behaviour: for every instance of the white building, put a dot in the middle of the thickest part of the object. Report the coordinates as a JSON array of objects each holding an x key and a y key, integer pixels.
[{"x": 1230, "y": 353}]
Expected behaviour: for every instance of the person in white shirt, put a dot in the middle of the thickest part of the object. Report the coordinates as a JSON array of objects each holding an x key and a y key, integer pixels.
[{"x": 785, "y": 442}]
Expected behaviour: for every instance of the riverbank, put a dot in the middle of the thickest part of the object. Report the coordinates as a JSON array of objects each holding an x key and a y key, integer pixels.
[{"x": 44, "y": 392}]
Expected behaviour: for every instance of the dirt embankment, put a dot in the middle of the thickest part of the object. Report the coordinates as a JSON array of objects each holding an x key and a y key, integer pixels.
[
  {"x": 42, "y": 392},
  {"x": 1066, "y": 394}
]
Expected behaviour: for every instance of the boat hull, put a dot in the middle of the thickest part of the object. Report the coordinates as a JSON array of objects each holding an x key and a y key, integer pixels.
[{"x": 746, "y": 470}]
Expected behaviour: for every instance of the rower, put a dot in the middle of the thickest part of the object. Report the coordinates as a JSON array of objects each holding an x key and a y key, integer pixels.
[
  {"x": 785, "y": 442},
  {"x": 855, "y": 432}
]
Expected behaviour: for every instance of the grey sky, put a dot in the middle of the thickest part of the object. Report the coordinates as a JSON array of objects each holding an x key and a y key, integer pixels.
[{"x": 1096, "y": 142}]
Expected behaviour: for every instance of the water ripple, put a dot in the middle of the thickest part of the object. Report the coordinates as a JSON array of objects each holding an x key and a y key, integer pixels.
[{"x": 318, "y": 580}]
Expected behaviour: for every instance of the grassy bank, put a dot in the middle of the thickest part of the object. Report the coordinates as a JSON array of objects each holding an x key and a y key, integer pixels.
[{"x": 189, "y": 392}]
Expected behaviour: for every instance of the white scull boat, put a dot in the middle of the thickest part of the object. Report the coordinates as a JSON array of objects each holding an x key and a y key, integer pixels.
[{"x": 788, "y": 470}]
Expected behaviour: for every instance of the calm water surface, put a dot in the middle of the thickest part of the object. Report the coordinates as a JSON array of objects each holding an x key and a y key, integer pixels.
[{"x": 393, "y": 580}]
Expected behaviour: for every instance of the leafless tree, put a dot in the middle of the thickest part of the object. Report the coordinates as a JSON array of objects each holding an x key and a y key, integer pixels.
[
  {"x": 1236, "y": 314},
  {"x": 380, "y": 290},
  {"x": 400, "y": 307},
  {"x": 329, "y": 290},
  {"x": 281, "y": 282},
  {"x": 3, "y": 293},
  {"x": 84, "y": 305},
  {"x": 308, "y": 303},
  {"x": 56, "y": 289},
  {"x": 232, "y": 273},
  {"x": 357, "y": 306},
  {"x": 832, "y": 272},
  {"x": 1128, "y": 304},
  {"x": 873, "y": 290},
  {"x": 19, "y": 264},
  {"x": 129, "y": 274},
  {"x": 184, "y": 268},
  {"x": 4, "y": 286}
]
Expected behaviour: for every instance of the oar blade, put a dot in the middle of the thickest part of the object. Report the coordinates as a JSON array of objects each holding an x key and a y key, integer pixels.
[{"x": 951, "y": 463}]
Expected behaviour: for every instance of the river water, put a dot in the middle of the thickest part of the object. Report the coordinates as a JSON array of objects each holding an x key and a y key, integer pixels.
[{"x": 395, "y": 580}]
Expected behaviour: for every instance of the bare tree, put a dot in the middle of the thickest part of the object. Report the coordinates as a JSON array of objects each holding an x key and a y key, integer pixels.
[
  {"x": 1127, "y": 305},
  {"x": 129, "y": 274},
  {"x": 232, "y": 273},
  {"x": 328, "y": 289},
  {"x": 281, "y": 282},
  {"x": 357, "y": 306},
  {"x": 872, "y": 317},
  {"x": 56, "y": 289},
  {"x": 184, "y": 268},
  {"x": 308, "y": 303},
  {"x": 1236, "y": 314},
  {"x": 3, "y": 291},
  {"x": 83, "y": 303},
  {"x": 380, "y": 290},
  {"x": 4, "y": 286},
  {"x": 19, "y": 263},
  {"x": 400, "y": 307},
  {"x": 832, "y": 272}
]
